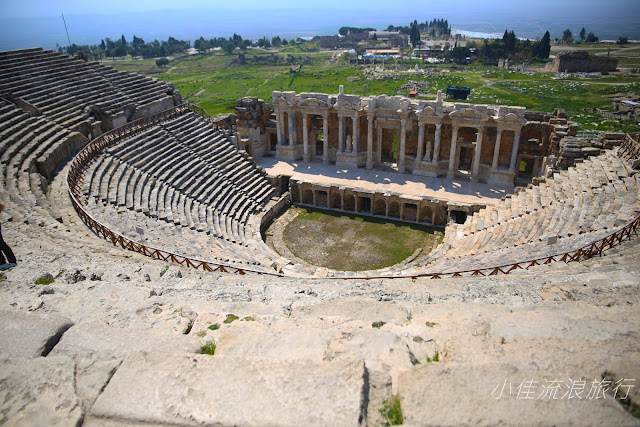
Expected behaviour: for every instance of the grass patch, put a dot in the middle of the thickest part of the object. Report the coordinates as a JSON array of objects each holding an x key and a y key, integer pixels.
[
  {"x": 342, "y": 241},
  {"x": 249, "y": 319},
  {"x": 214, "y": 82},
  {"x": 2, "y": 277},
  {"x": 214, "y": 327},
  {"x": 46, "y": 279},
  {"x": 230, "y": 318},
  {"x": 435, "y": 358},
  {"x": 164, "y": 270},
  {"x": 209, "y": 348},
  {"x": 392, "y": 411},
  {"x": 378, "y": 324}
]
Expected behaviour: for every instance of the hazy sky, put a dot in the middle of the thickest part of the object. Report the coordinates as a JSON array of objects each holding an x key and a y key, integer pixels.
[
  {"x": 28, "y": 23},
  {"x": 39, "y": 8}
]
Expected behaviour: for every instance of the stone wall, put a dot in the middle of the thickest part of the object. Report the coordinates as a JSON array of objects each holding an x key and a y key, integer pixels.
[{"x": 581, "y": 61}]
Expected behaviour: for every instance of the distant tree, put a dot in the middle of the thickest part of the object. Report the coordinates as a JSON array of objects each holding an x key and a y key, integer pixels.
[
  {"x": 567, "y": 36},
  {"x": 103, "y": 46},
  {"x": 137, "y": 42},
  {"x": 228, "y": 47},
  {"x": 284, "y": 42},
  {"x": 414, "y": 35},
  {"x": 591, "y": 38},
  {"x": 162, "y": 62},
  {"x": 237, "y": 40},
  {"x": 509, "y": 39},
  {"x": 123, "y": 41},
  {"x": 276, "y": 41},
  {"x": 622, "y": 41},
  {"x": 375, "y": 37},
  {"x": 583, "y": 33},
  {"x": 120, "y": 51},
  {"x": 459, "y": 54},
  {"x": 544, "y": 47}
]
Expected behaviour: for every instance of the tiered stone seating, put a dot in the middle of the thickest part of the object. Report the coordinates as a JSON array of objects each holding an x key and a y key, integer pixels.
[
  {"x": 187, "y": 176},
  {"x": 577, "y": 206},
  {"x": 63, "y": 88},
  {"x": 25, "y": 141}
]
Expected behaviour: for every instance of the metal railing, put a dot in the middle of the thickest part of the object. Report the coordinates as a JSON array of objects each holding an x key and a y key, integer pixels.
[
  {"x": 629, "y": 149},
  {"x": 83, "y": 160}
]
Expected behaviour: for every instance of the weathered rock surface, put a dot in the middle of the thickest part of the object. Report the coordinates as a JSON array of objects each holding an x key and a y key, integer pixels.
[
  {"x": 190, "y": 390},
  {"x": 490, "y": 394},
  {"x": 30, "y": 335},
  {"x": 38, "y": 391},
  {"x": 95, "y": 337}
]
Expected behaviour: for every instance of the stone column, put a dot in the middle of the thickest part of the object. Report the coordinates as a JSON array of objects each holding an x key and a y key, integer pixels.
[
  {"x": 325, "y": 138},
  {"x": 418, "y": 211},
  {"x": 342, "y": 198},
  {"x": 452, "y": 152},
  {"x": 420, "y": 141},
  {"x": 403, "y": 141},
  {"x": 433, "y": 214},
  {"x": 436, "y": 143},
  {"x": 496, "y": 151},
  {"x": 379, "y": 145},
  {"x": 514, "y": 151},
  {"x": 313, "y": 192},
  {"x": 340, "y": 134},
  {"x": 305, "y": 138},
  {"x": 370, "y": 141},
  {"x": 386, "y": 207},
  {"x": 475, "y": 166},
  {"x": 401, "y": 210},
  {"x": 355, "y": 203},
  {"x": 356, "y": 133},
  {"x": 292, "y": 130},
  {"x": 279, "y": 127}
]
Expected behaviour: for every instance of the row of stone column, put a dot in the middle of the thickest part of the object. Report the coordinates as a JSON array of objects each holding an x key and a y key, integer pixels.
[
  {"x": 402, "y": 142},
  {"x": 417, "y": 203}
]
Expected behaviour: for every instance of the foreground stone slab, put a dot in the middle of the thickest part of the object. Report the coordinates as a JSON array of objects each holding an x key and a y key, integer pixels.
[
  {"x": 357, "y": 309},
  {"x": 458, "y": 394},
  {"x": 38, "y": 392},
  {"x": 161, "y": 388},
  {"x": 96, "y": 337},
  {"x": 30, "y": 335}
]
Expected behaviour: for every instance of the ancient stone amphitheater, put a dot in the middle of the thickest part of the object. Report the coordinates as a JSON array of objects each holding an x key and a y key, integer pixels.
[{"x": 149, "y": 219}]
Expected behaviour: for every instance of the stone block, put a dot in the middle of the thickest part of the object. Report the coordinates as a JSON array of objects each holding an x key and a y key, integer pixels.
[
  {"x": 457, "y": 394},
  {"x": 96, "y": 337},
  {"x": 30, "y": 335},
  {"x": 169, "y": 389},
  {"x": 366, "y": 310},
  {"x": 38, "y": 392}
]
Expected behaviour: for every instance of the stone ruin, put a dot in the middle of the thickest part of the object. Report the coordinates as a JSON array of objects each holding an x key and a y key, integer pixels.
[
  {"x": 434, "y": 138},
  {"x": 581, "y": 61},
  {"x": 118, "y": 338}
]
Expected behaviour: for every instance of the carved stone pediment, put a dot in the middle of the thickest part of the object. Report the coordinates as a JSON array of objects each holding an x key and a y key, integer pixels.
[
  {"x": 429, "y": 112},
  {"x": 511, "y": 118},
  {"x": 346, "y": 105},
  {"x": 312, "y": 103},
  {"x": 468, "y": 114}
]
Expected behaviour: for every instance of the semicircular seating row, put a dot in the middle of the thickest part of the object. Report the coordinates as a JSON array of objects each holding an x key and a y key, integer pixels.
[
  {"x": 574, "y": 208},
  {"x": 63, "y": 87},
  {"x": 182, "y": 186}
]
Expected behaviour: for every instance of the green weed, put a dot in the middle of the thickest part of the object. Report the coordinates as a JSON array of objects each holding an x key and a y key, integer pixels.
[
  {"x": 392, "y": 411},
  {"x": 209, "y": 348}
]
